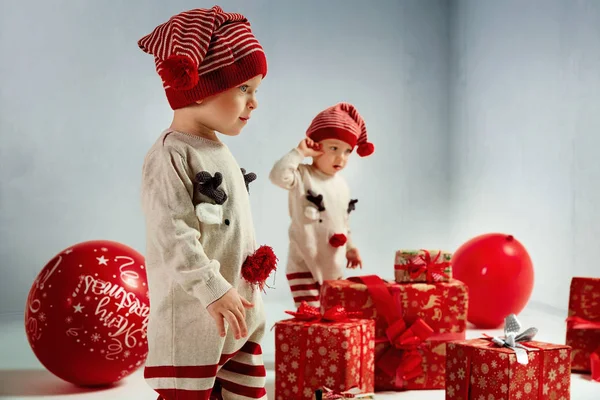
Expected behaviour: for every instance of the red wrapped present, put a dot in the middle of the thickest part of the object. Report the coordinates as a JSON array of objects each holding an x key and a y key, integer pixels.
[
  {"x": 513, "y": 367},
  {"x": 314, "y": 350},
  {"x": 422, "y": 266},
  {"x": 583, "y": 325},
  {"x": 413, "y": 322}
]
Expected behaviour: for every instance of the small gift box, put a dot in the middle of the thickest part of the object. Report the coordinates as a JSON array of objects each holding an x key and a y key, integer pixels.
[
  {"x": 413, "y": 322},
  {"x": 422, "y": 266},
  {"x": 583, "y": 325},
  {"x": 353, "y": 393},
  {"x": 315, "y": 350},
  {"x": 513, "y": 367}
]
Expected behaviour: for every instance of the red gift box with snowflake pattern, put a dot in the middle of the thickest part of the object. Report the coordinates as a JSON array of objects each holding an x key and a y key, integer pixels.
[
  {"x": 413, "y": 323},
  {"x": 480, "y": 369},
  {"x": 313, "y": 354},
  {"x": 583, "y": 325}
]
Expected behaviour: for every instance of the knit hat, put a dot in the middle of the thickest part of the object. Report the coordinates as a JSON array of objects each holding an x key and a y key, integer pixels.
[
  {"x": 202, "y": 52},
  {"x": 342, "y": 122}
]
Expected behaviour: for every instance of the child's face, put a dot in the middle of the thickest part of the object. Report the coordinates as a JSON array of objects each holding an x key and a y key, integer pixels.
[
  {"x": 335, "y": 156},
  {"x": 228, "y": 112}
]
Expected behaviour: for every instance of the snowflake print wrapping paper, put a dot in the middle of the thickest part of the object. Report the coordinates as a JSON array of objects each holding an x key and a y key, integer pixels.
[
  {"x": 583, "y": 325},
  {"x": 479, "y": 369},
  {"x": 311, "y": 355},
  {"x": 442, "y": 306}
]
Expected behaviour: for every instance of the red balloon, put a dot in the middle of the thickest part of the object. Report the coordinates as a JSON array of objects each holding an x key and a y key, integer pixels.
[
  {"x": 499, "y": 274},
  {"x": 87, "y": 313}
]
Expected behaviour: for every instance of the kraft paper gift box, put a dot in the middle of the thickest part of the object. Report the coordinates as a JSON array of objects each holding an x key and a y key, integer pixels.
[{"x": 422, "y": 266}]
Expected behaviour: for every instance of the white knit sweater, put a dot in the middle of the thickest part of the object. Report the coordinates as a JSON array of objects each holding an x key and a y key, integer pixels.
[
  {"x": 311, "y": 229},
  {"x": 195, "y": 250}
]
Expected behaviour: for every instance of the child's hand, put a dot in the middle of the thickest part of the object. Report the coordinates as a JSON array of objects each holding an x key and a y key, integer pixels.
[
  {"x": 230, "y": 307},
  {"x": 353, "y": 258},
  {"x": 309, "y": 148}
]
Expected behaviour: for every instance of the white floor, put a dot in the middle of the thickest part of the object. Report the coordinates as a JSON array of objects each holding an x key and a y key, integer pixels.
[{"x": 22, "y": 377}]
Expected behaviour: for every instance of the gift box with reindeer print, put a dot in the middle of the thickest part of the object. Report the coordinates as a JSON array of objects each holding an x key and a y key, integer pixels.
[{"x": 413, "y": 323}]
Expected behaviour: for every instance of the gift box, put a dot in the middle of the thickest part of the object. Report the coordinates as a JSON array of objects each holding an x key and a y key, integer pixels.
[
  {"x": 583, "y": 325},
  {"x": 314, "y": 350},
  {"x": 413, "y": 322},
  {"x": 422, "y": 266},
  {"x": 513, "y": 367}
]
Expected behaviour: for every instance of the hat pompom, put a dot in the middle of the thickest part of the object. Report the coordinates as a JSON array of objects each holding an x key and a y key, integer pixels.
[
  {"x": 179, "y": 71},
  {"x": 365, "y": 149}
]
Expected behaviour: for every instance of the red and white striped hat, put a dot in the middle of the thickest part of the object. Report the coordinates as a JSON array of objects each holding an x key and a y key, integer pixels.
[
  {"x": 342, "y": 122},
  {"x": 202, "y": 52}
]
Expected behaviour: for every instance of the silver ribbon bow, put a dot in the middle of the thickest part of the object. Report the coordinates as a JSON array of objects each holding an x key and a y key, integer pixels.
[{"x": 512, "y": 337}]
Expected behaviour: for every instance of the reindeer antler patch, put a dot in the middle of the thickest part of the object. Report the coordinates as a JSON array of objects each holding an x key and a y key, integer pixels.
[
  {"x": 248, "y": 178},
  {"x": 208, "y": 185},
  {"x": 352, "y": 205},
  {"x": 316, "y": 199}
]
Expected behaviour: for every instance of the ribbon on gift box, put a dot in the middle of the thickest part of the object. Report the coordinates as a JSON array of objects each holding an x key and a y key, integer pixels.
[
  {"x": 310, "y": 315},
  {"x": 424, "y": 263},
  {"x": 512, "y": 338},
  {"x": 582, "y": 323},
  {"x": 402, "y": 361},
  {"x": 352, "y": 393}
]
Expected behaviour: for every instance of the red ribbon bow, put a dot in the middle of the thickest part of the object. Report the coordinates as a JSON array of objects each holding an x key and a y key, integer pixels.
[
  {"x": 402, "y": 361},
  {"x": 307, "y": 312},
  {"x": 431, "y": 267},
  {"x": 582, "y": 323}
]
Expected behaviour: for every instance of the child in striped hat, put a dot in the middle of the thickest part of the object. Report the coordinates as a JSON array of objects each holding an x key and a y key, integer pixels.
[
  {"x": 204, "y": 271},
  {"x": 319, "y": 200}
]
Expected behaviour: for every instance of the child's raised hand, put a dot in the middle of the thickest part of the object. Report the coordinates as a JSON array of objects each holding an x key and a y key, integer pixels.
[
  {"x": 309, "y": 148},
  {"x": 230, "y": 307},
  {"x": 354, "y": 259}
]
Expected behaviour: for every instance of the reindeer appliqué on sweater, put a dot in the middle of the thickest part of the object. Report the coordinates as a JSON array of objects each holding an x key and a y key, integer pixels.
[
  {"x": 314, "y": 213},
  {"x": 208, "y": 185},
  {"x": 248, "y": 178},
  {"x": 352, "y": 205},
  {"x": 257, "y": 266}
]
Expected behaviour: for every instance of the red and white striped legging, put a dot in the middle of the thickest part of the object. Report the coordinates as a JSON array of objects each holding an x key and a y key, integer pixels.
[
  {"x": 237, "y": 376},
  {"x": 304, "y": 288}
]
